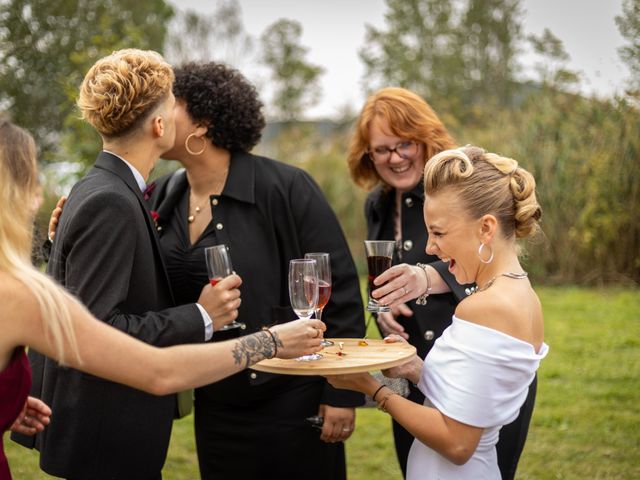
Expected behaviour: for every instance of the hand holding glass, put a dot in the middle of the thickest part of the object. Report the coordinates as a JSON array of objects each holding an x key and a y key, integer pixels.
[
  {"x": 303, "y": 293},
  {"x": 379, "y": 255},
  {"x": 323, "y": 264},
  {"x": 218, "y": 267}
]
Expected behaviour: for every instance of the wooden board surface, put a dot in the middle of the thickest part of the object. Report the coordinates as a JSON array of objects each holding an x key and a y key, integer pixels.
[{"x": 355, "y": 358}]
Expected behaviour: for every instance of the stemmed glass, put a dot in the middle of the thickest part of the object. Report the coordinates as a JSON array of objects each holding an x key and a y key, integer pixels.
[
  {"x": 219, "y": 267},
  {"x": 323, "y": 264},
  {"x": 379, "y": 255},
  {"x": 303, "y": 293}
]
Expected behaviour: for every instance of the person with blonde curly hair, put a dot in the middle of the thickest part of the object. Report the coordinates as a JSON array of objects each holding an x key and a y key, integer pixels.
[
  {"x": 36, "y": 312},
  {"x": 395, "y": 135},
  {"x": 267, "y": 213},
  {"x": 477, "y": 375},
  {"x": 106, "y": 252}
]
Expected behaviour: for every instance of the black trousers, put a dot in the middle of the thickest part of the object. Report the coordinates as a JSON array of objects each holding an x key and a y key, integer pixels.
[
  {"x": 509, "y": 448},
  {"x": 266, "y": 439}
]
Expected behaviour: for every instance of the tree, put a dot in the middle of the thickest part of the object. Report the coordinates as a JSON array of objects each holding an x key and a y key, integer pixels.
[
  {"x": 452, "y": 53},
  {"x": 629, "y": 26},
  {"x": 552, "y": 69},
  {"x": 46, "y": 47},
  {"x": 295, "y": 80},
  {"x": 417, "y": 50},
  {"x": 492, "y": 33},
  {"x": 220, "y": 36}
]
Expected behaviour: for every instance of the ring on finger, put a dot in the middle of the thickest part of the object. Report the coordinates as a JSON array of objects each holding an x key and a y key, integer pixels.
[{"x": 317, "y": 330}]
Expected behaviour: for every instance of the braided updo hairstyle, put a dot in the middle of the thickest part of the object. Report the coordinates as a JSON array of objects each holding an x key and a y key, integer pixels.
[{"x": 487, "y": 184}]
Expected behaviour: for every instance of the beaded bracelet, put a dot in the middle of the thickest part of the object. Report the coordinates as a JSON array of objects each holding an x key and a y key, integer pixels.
[
  {"x": 422, "y": 299},
  {"x": 275, "y": 344},
  {"x": 383, "y": 402}
]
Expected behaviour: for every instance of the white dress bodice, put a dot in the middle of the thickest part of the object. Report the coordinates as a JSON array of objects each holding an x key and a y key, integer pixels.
[{"x": 478, "y": 376}]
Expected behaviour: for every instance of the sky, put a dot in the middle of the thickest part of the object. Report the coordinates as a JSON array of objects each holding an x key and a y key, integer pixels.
[{"x": 334, "y": 31}]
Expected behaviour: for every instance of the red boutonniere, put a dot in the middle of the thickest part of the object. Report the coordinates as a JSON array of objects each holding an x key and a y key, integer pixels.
[{"x": 156, "y": 217}]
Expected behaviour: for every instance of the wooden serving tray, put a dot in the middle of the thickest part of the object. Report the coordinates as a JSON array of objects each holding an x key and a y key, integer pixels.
[{"x": 355, "y": 358}]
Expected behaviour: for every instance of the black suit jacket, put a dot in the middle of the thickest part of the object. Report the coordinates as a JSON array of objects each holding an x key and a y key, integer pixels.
[{"x": 107, "y": 253}]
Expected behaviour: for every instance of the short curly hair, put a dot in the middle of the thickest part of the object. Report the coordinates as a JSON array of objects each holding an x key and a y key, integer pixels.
[
  {"x": 222, "y": 98},
  {"x": 120, "y": 90}
]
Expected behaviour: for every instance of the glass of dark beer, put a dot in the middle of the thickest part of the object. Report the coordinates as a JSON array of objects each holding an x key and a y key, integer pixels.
[{"x": 379, "y": 255}]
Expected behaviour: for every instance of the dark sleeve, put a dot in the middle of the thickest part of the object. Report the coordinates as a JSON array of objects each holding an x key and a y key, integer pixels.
[
  {"x": 109, "y": 269},
  {"x": 443, "y": 269},
  {"x": 319, "y": 231}
]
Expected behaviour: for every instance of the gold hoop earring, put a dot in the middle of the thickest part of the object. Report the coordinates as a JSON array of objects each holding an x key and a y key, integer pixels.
[
  {"x": 191, "y": 152},
  {"x": 480, "y": 254}
]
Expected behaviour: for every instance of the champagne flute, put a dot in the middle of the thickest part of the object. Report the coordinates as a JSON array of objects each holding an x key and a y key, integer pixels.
[
  {"x": 303, "y": 293},
  {"x": 323, "y": 264},
  {"x": 218, "y": 267},
  {"x": 379, "y": 255}
]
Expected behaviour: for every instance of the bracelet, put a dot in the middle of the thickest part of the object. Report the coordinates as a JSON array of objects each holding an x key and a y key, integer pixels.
[
  {"x": 422, "y": 299},
  {"x": 373, "y": 397},
  {"x": 383, "y": 403},
  {"x": 275, "y": 344}
]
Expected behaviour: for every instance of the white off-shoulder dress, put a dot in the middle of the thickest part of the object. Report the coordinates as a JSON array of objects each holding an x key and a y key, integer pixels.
[{"x": 478, "y": 376}]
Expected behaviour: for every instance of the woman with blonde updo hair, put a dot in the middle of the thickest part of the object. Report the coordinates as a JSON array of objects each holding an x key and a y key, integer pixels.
[
  {"x": 477, "y": 375},
  {"x": 394, "y": 137}
]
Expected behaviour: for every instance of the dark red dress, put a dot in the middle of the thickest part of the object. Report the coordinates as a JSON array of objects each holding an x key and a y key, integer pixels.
[{"x": 15, "y": 382}]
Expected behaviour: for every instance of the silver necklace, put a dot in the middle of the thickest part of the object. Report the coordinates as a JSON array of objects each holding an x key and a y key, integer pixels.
[{"x": 515, "y": 276}]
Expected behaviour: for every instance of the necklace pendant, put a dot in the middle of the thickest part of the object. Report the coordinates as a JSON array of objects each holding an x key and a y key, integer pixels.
[
  {"x": 191, "y": 218},
  {"x": 197, "y": 209},
  {"x": 470, "y": 290}
]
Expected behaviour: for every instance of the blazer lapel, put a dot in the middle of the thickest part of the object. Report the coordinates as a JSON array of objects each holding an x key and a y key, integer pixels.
[{"x": 113, "y": 164}]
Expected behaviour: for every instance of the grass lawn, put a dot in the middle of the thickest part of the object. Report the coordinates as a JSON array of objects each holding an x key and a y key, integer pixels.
[{"x": 586, "y": 423}]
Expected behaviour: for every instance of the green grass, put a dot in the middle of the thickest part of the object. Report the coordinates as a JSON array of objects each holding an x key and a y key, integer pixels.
[{"x": 586, "y": 423}]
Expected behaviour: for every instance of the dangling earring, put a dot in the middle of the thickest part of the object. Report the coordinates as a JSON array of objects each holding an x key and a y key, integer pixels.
[
  {"x": 480, "y": 254},
  {"x": 191, "y": 152}
]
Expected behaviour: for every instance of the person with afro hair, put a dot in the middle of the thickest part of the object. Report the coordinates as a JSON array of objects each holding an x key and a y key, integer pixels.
[{"x": 267, "y": 213}]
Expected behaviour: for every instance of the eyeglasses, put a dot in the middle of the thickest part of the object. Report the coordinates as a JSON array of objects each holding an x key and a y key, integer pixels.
[{"x": 405, "y": 149}]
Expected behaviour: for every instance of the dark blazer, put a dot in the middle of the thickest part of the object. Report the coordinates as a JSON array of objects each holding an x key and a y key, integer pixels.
[{"x": 107, "y": 253}]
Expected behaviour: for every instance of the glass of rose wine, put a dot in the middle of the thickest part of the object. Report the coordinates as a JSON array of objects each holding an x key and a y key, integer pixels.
[
  {"x": 218, "y": 267},
  {"x": 379, "y": 255},
  {"x": 323, "y": 264},
  {"x": 303, "y": 293}
]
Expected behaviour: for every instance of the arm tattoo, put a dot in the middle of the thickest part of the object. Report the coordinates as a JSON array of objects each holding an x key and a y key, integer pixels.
[{"x": 253, "y": 348}]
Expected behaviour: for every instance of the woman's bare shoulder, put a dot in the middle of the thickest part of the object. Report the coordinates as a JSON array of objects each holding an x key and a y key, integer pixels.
[
  {"x": 18, "y": 311},
  {"x": 515, "y": 311},
  {"x": 16, "y": 299},
  {"x": 484, "y": 309}
]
